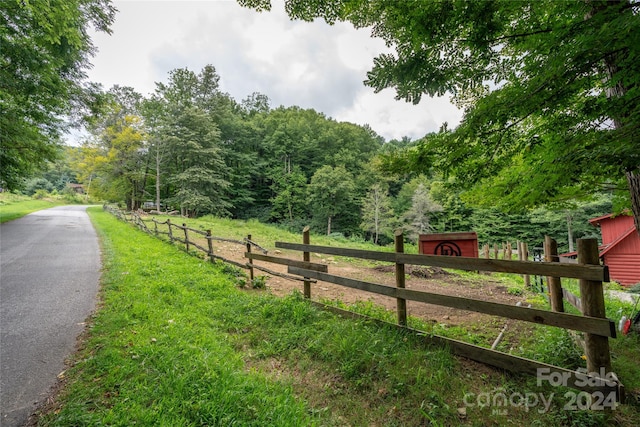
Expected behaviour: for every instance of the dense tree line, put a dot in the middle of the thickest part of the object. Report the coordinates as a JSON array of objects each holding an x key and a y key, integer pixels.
[
  {"x": 549, "y": 89},
  {"x": 551, "y": 140},
  {"x": 191, "y": 148},
  {"x": 45, "y": 52}
]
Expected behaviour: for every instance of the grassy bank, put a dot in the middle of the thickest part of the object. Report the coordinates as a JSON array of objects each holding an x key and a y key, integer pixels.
[
  {"x": 13, "y": 206},
  {"x": 175, "y": 343}
]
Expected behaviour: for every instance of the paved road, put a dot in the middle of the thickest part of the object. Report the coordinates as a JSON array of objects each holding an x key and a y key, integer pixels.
[{"x": 49, "y": 272}]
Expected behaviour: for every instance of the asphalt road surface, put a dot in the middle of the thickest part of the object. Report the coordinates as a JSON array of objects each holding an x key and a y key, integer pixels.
[{"x": 49, "y": 273}]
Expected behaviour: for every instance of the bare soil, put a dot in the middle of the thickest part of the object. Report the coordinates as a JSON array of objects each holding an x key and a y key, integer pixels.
[{"x": 429, "y": 279}]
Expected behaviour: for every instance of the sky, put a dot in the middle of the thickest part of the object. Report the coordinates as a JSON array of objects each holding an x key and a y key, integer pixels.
[{"x": 295, "y": 63}]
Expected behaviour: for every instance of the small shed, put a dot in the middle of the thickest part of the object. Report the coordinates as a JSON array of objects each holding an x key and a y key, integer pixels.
[
  {"x": 449, "y": 244},
  {"x": 620, "y": 249},
  {"x": 76, "y": 188}
]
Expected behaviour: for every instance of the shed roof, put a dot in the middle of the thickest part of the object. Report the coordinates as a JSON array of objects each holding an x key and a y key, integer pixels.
[{"x": 606, "y": 248}]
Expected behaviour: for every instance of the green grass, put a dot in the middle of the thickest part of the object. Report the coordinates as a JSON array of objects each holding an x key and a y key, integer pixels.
[
  {"x": 534, "y": 340},
  {"x": 625, "y": 348},
  {"x": 266, "y": 235},
  {"x": 13, "y": 206},
  {"x": 176, "y": 342}
]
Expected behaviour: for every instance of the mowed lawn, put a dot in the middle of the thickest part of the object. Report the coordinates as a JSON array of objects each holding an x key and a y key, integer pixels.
[
  {"x": 13, "y": 206},
  {"x": 175, "y": 343}
]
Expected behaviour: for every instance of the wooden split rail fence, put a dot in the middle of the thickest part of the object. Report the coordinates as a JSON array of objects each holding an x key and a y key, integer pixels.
[
  {"x": 197, "y": 240},
  {"x": 597, "y": 329},
  {"x": 593, "y": 323}
]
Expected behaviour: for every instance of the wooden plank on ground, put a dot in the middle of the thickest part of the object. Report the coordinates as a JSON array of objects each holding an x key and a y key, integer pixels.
[
  {"x": 577, "y": 271},
  {"x": 286, "y": 261},
  {"x": 572, "y": 299},
  {"x": 576, "y": 380},
  {"x": 603, "y": 327}
]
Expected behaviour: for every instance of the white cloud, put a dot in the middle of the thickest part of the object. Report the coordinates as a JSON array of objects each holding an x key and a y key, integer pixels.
[{"x": 311, "y": 65}]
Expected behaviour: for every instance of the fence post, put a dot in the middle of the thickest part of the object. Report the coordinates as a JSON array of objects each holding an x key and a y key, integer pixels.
[
  {"x": 495, "y": 251},
  {"x": 592, "y": 296},
  {"x": 525, "y": 257},
  {"x": 400, "y": 279},
  {"x": 306, "y": 256},
  {"x": 170, "y": 231},
  {"x": 485, "y": 249},
  {"x": 155, "y": 226},
  {"x": 210, "y": 244},
  {"x": 186, "y": 236},
  {"x": 553, "y": 283},
  {"x": 250, "y": 260}
]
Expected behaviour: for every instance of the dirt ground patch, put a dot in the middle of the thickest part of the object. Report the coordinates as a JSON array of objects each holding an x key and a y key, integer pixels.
[{"x": 428, "y": 279}]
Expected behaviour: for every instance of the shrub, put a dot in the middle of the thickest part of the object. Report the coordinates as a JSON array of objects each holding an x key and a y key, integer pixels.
[
  {"x": 38, "y": 186},
  {"x": 40, "y": 194}
]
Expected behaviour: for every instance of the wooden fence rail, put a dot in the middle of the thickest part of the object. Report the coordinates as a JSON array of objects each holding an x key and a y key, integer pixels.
[
  {"x": 190, "y": 243},
  {"x": 593, "y": 323},
  {"x": 577, "y": 271},
  {"x": 596, "y": 327}
]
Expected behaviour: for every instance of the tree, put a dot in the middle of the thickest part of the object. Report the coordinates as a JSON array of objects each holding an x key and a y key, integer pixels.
[
  {"x": 418, "y": 217},
  {"x": 198, "y": 169},
  {"x": 331, "y": 193},
  {"x": 404, "y": 199},
  {"x": 184, "y": 116},
  {"x": 549, "y": 88},
  {"x": 45, "y": 50},
  {"x": 114, "y": 159},
  {"x": 290, "y": 200},
  {"x": 570, "y": 221},
  {"x": 152, "y": 112},
  {"x": 377, "y": 214},
  {"x": 126, "y": 159}
]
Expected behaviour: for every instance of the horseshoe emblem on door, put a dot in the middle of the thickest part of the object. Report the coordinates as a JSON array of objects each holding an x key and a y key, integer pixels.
[{"x": 447, "y": 248}]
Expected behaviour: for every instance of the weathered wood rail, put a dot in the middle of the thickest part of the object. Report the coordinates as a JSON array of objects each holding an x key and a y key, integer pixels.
[
  {"x": 176, "y": 233},
  {"x": 593, "y": 323}
]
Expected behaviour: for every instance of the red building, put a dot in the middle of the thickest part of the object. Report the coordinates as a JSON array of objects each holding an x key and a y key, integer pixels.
[
  {"x": 620, "y": 248},
  {"x": 450, "y": 244}
]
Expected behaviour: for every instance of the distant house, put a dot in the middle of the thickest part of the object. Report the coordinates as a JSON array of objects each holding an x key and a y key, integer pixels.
[
  {"x": 620, "y": 248},
  {"x": 78, "y": 188}
]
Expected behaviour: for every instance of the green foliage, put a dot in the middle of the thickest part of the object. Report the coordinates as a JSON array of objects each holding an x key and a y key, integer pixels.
[
  {"x": 556, "y": 347},
  {"x": 290, "y": 200},
  {"x": 570, "y": 221},
  {"x": 45, "y": 51},
  {"x": 259, "y": 282},
  {"x": 417, "y": 218},
  {"x": 55, "y": 175},
  {"x": 515, "y": 291},
  {"x": 238, "y": 277},
  {"x": 550, "y": 90},
  {"x": 40, "y": 194},
  {"x": 34, "y": 185},
  {"x": 377, "y": 215},
  {"x": 198, "y": 166},
  {"x": 402, "y": 201},
  {"x": 331, "y": 193},
  {"x": 203, "y": 153},
  {"x": 184, "y": 114}
]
